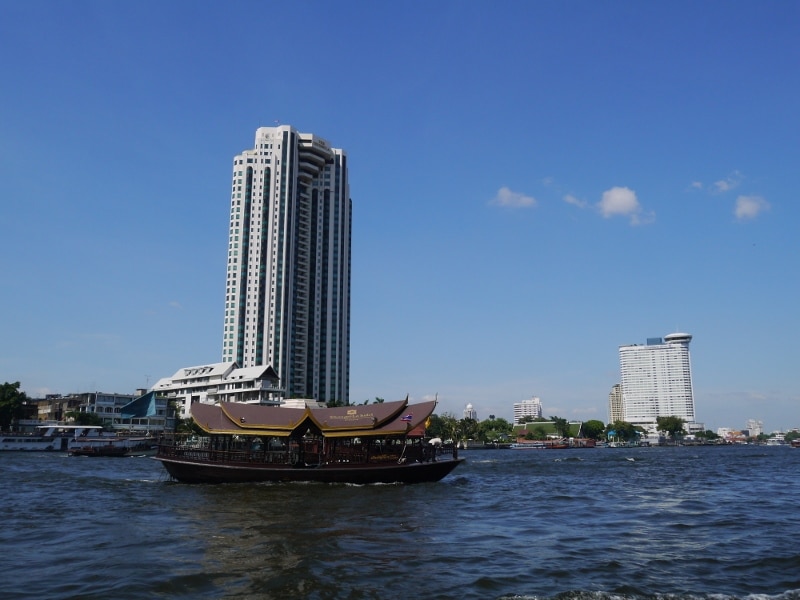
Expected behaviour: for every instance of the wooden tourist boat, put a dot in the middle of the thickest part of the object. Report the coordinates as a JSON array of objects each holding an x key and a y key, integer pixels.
[{"x": 362, "y": 444}]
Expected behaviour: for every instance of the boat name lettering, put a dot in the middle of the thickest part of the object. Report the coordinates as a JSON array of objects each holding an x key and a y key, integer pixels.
[{"x": 351, "y": 415}]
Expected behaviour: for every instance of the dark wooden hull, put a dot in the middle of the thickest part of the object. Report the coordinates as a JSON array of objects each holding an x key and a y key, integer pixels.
[
  {"x": 189, "y": 471},
  {"x": 99, "y": 451}
]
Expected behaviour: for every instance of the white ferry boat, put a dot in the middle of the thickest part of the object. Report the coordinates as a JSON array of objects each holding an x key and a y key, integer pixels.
[{"x": 50, "y": 438}]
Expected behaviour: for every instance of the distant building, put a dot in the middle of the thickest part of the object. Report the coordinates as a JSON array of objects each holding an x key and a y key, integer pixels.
[
  {"x": 219, "y": 382},
  {"x": 615, "y": 412},
  {"x": 656, "y": 381},
  {"x": 527, "y": 408},
  {"x": 724, "y": 432},
  {"x": 754, "y": 428},
  {"x": 470, "y": 413},
  {"x": 107, "y": 407}
]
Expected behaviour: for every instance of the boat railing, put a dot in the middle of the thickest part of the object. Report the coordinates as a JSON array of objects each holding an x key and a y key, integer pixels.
[
  {"x": 209, "y": 454},
  {"x": 307, "y": 453}
]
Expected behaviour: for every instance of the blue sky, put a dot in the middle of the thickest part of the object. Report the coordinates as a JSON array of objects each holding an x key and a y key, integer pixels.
[{"x": 533, "y": 183}]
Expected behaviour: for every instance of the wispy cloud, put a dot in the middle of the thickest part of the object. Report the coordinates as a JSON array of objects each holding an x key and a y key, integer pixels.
[
  {"x": 749, "y": 207},
  {"x": 730, "y": 182},
  {"x": 622, "y": 201},
  {"x": 176, "y": 304},
  {"x": 511, "y": 199},
  {"x": 570, "y": 199}
]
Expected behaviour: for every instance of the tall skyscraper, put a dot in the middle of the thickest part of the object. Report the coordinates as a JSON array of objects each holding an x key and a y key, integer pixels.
[
  {"x": 657, "y": 380},
  {"x": 287, "y": 299}
]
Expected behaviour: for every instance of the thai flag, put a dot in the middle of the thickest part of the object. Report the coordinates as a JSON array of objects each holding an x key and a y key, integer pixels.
[{"x": 407, "y": 418}]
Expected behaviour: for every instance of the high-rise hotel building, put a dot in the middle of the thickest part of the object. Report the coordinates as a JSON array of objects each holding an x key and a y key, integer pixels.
[
  {"x": 527, "y": 408},
  {"x": 287, "y": 298},
  {"x": 656, "y": 380}
]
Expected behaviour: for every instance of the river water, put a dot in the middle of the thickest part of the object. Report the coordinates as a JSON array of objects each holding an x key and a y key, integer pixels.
[{"x": 584, "y": 524}]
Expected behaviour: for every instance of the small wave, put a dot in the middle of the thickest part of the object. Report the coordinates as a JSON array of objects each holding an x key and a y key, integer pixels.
[{"x": 632, "y": 594}]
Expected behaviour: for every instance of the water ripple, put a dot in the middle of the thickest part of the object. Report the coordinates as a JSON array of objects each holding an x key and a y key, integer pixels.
[{"x": 671, "y": 524}]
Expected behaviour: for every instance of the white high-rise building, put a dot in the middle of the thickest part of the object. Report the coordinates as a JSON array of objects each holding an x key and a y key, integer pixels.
[
  {"x": 656, "y": 381},
  {"x": 287, "y": 297},
  {"x": 754, "y": 427},
  {"x": 527, "y": 408}
]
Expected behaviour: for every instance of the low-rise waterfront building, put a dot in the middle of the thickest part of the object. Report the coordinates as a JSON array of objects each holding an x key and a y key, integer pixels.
[
  {"x": 105, "y": 406},
  {"x": 220, "y": 382}
]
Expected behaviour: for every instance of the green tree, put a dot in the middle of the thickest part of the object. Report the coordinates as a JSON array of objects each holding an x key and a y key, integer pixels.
[
  {"x": 468, "y": 429},
  {"x": 376, "y": 401},
  {"x": 561, "y": 426},
  {"x": 537, "y": 433},
  {"x": 672, "y": 426},
  {"x": 444, "y": 426},
  {"x": 492, "y": 430},
  {"x": 593, "y": 429},
  {"x": 188, "y": 426},
  {"x": 84, "y": 418},
  {"x": 707, "y": 435},
  {"x": 623, "y": 431},
  {"x": 11, "y": 403}
]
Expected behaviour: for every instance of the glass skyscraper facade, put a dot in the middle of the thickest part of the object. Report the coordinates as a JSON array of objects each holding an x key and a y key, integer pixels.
[{"x": 287, "y": 297}]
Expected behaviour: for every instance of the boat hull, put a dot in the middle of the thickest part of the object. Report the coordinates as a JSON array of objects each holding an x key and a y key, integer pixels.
[
  {"x": 188, "y": 471},
  {"x": 29, "y": 444},
  {"x": 107, "y": 450}
]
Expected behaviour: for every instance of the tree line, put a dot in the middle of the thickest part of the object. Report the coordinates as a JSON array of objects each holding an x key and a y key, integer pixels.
[{"x": 445, "y": 426}]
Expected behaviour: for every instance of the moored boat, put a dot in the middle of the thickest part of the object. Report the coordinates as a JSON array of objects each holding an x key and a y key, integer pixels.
[
  {"x": 48, "y": 438},
  {"x": 69, "y": 438},
  {"x": 542, "y": 445},
  {"x": 107, "y": 449},
  {"x": 26, "y": 443},
  {"x": 361, "y": 444}
]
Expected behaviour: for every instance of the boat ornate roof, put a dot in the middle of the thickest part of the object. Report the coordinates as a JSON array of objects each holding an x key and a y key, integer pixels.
[{"x": 380, "y": 419}]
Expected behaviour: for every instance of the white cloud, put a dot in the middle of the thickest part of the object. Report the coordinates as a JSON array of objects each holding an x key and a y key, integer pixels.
[
  {"x": 749, "y": 207},
  {"x": 176, "y": 304},
  {"x": 696, "y": 185},
  {"x": 731, "y": 181},
  {"x": 623, "y": 201},
  {"x": 570, "y": 199},
  {"x": 507, "y": 197}
]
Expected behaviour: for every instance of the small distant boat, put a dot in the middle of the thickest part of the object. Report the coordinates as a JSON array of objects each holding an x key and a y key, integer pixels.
[
  {"x": 542, "y": 445},
  {"x": 795, "y": 443},
  {"x": 107, "y": 449},
  {"x": 777, "y": 440},
  {"x": 360, "y": 444}
]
